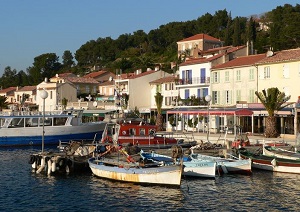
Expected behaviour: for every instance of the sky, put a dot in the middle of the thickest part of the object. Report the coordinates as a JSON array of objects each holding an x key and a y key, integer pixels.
[{"x": 32, "y": 28}]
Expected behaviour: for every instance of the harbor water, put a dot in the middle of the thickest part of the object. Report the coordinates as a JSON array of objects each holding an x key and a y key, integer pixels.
[{"x": 23, "y": 190}]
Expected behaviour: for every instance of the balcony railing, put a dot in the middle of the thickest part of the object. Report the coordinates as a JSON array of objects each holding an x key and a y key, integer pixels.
[{"x": 193, "y": 81}]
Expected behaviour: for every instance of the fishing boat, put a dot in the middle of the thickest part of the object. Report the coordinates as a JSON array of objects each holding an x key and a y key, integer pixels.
[
  {"x": 230, "y": 164},
  {"x": 193, "y": 166},
  {"x": 281, "y": 153},
  {"x": 22, "y": 128},
  {"x": 142, "y": 135},
  {"x": 110, "y": 164},
  {"x": 269, "y": 163}
]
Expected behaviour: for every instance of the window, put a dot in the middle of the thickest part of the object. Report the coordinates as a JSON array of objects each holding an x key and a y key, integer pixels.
[
  {"x": 87, "y": 89},
  {"x": 238, "y": 75},
  {"x": 227, "y": 76},
  {"x": 202, "y": 75},
  {"x": 286, "y": 71},
  {"x": 186, "y": 93},
  {"x": 267, "y": 72},
  {"x": 51, "y": 94},
  {"x": 215, "y": 97},
  {"x": 251, "y": 96},
  {"x": 215, "y": 77},
  {"x": 142, "y": 131},
  {"x": 238, "y": 95},
  {"x": 251, "y": 74},
  {"x": 228, "y": 97}
]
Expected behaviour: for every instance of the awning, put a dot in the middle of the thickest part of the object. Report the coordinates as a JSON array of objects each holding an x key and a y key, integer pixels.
[{"x": 212, "y": 111}]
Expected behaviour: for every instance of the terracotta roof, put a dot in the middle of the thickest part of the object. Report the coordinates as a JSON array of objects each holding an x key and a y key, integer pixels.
[
  {"x": 200, "y": 37},
  {"x": 241, "y": 61},
  {"x": 285, "y": 55},
  {"x": 141, "y": 74},
  {"x": 9, "y": 89},
  {"x": 81, "y": 80},
  {"x": 106, "y": 83},
  {"x": 27, "y": 88},
  {"x": 95, "y": 74},
  {"x": 62, "y": 75},
  {"x": 164, "y": 80},
  {"x": 200, "y": 60}
]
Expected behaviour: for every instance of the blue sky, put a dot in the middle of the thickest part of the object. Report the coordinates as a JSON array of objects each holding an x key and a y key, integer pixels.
[{"x": 31, "y": 28}]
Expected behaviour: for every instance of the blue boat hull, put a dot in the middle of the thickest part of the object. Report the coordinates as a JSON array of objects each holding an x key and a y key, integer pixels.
[{"x": 48, "y": 140}]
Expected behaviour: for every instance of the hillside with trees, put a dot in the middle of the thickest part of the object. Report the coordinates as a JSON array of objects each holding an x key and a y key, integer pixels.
[{"x": 140, "y": 50}]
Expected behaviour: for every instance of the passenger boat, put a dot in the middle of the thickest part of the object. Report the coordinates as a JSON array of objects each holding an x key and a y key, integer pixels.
[
  {"x": 280, "y": 153},
  {"x": 193, "y": 166},
  {"x": 269, "y": 163},
  {"x": 26, "y": 128},
  {"x": 109, "y": 165},
  {"x": 142, "y": 135}
]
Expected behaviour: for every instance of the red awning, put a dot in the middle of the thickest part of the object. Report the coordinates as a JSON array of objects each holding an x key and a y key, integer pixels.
[{"x": 237, "y": 112}]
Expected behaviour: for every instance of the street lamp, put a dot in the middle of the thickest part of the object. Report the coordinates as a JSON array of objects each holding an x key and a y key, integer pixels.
[
  {"x": 208, "y": 99},
  {"x": 43, "y": 95}
]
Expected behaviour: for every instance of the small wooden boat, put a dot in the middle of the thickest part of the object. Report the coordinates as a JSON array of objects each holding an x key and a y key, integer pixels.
[
  {"x": 142, "y": 172},
  {"x": 192, "y": 165},
  {"x": 280, "y": 153},
  {"x": 270, "y": 163},
  {"x": 135, "y": 172},
  {"x": 229, "y": 165}
]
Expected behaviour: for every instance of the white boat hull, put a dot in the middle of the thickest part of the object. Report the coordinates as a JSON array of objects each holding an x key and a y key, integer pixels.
[
  {"x": 283, "y": 169},
  {"x": 199, "y": 169},
  {"x": 165, "y": 175}
]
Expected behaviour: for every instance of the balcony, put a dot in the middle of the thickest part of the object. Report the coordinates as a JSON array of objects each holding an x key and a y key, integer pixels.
[{"x": 193, "y": 81}]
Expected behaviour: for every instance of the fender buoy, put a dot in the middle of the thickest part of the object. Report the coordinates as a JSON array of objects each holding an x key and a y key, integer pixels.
[
  {"x": 61, "y": 162},
  {"x": 152, "y": 132},
  {"x": 32, "y": 159}
]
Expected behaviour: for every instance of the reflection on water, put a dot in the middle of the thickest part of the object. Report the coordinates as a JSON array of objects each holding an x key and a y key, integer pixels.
[{"x": 26, "y": 191}]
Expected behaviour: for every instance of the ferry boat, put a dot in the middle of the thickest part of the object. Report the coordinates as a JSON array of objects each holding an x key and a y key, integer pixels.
[{"x": 23, "y": 128}]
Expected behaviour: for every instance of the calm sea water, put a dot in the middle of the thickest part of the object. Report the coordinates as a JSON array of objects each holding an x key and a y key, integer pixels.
[{"x": 22, "y": 190}]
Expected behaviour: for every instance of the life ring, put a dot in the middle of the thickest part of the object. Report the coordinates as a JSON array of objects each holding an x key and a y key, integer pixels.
[
  {"x": 124, "y": 132},
  {"x": 152, "y": 132}
]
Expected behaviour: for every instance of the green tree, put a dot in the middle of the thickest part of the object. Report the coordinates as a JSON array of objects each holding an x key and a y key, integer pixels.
[
  {"x": 67, "y": 62},
  {"x": 3, "y": 102},
  {"x": 44, "y": 66},
  {"x": 273, "y": 100},
  {"x": 8, "y": 78},
  {"x": 159, "y": 118}
]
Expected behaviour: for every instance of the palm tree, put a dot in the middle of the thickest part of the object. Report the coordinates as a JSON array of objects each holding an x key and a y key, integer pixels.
[
  {"x": 3, "y": 102},
  {"x": 273, "y": 100},
  {"x": 159, "y": 119}
]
